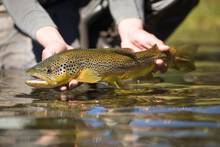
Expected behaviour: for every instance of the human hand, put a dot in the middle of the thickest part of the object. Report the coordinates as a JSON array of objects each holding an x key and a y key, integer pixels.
[
  {"x": 53, "y": 43},
  {"x": 53, "y": 48},
  {"x": 135, "y": 37}
]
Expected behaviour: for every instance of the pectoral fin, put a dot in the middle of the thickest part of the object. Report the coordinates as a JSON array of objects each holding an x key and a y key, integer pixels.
[
  {"x": 88, "y": 76},
  {"x": 126, "y": 52}
]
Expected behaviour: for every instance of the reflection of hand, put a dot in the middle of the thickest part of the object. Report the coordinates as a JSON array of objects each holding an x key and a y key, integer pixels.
[
  {"x": 135, "y": 37},
  {"x": 53, "y": 43}
]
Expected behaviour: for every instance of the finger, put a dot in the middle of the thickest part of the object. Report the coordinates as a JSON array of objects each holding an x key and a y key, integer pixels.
[
  {"x": 127, "y": 44},
  {"x": 46, "y": 53},
  {"x": 141, "y": 45},
  {"x": 59, "y": 48},
  {"x": 160, "y": 44},
  {"x": 163, "y": 47},
  {"x": 146, "y": 41},
  {"x": 159, "y": 62},
  {"x": 54, "y": 48},
  {"x": 141, "y": 41},
  {"x": 63, "y": 88},
  {"x": 69, "y": 47},
  {"x": 153, "y": 40},
  {"x": 161, "y": 66},
  {"x": 72, "y": 84}
]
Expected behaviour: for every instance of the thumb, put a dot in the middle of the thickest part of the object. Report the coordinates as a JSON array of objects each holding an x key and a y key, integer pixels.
[
  {"x": 46, "y": 53},
  {"x": 69, "y": 47}
]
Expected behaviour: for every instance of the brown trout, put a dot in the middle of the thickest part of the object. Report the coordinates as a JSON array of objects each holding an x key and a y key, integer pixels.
[{"x": 108, "y": 65}]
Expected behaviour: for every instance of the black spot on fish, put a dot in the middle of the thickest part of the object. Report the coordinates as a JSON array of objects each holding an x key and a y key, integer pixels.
[{"x": 49, "y": 71}]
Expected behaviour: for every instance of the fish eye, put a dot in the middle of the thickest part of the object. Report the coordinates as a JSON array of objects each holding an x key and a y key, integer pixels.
[{"x": 49, "y": 71}]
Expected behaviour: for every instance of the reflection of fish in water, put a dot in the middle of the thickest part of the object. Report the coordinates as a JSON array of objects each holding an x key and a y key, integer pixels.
[{"x": 109, "y": 65}]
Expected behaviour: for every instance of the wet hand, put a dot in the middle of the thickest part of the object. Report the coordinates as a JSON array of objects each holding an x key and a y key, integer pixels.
[
  {"x": 53, "y": 48},
  {"x": 141, "y": 40},
  {"x": 133, "y": 36}
]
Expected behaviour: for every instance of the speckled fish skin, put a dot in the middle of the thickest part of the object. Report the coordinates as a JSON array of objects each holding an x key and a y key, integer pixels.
[{"x": 84, "y": 65}]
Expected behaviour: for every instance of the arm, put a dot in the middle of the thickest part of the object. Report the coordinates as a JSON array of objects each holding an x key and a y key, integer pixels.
[
  {"x": 33, "y": 20},
  {"x": 125, "y": 9},
  {"x": 28, "y": 15}
]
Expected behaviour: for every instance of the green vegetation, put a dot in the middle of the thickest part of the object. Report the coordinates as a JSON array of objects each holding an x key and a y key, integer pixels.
[{"x": 201, "y": 26}]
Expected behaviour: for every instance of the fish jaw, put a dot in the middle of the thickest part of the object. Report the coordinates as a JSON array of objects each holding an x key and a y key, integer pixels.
[
  {"x": 40, "y": 81},
  {"x": 37, "y": 83}
]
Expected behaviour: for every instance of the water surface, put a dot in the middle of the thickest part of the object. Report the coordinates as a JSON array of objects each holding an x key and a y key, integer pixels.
[{"x": 183, "y": 110}]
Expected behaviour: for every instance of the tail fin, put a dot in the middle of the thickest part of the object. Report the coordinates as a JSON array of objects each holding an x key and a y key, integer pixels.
[{"x": 182, "y": 59}]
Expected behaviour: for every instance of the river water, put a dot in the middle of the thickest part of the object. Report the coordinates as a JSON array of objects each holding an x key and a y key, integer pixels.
[{"x": 182, "y": 110}]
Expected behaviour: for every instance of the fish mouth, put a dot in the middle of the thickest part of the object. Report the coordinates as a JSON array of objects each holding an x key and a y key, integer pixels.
[{"x": 38, "y": 81}]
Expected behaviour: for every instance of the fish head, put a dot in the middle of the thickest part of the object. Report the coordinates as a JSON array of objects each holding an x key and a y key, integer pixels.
[{"x": 49, "y": 73}]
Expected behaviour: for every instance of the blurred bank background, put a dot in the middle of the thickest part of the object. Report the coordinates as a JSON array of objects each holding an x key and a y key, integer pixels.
[{"x": 202, "y": 26}]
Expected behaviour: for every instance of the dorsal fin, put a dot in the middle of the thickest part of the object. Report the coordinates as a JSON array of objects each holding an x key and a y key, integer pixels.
[
  {"x": 124, "y": 51},
  {"x": 152, "y": 52}
]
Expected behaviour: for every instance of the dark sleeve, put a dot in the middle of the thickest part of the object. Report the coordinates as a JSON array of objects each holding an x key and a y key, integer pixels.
[
  {"x": 28, "y": 15},
  {"x": 122, "y": 9}
]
